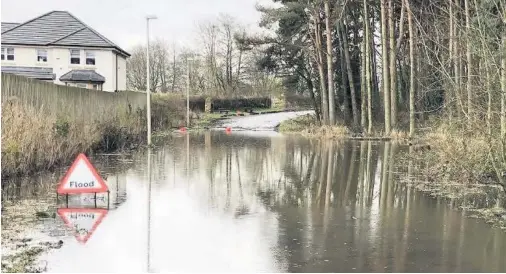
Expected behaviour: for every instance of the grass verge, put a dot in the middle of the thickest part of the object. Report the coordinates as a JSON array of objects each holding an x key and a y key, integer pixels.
[{"x": 308, "y": 126}]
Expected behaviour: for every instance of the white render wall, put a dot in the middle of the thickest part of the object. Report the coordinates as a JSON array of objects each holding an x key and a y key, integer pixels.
[
  {"x": 121, "y": 73},
  {"x": 58, "y": 58}
]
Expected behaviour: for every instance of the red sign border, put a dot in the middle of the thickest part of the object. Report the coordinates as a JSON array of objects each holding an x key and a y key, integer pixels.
[
  {"x": 61, "y": 212},
  {"x": 101, "y": 182}
]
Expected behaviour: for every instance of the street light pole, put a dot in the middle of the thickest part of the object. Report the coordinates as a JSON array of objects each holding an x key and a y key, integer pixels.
[
  {"x": 188, "y": 96},
  {"x": 148, "y": 92}
]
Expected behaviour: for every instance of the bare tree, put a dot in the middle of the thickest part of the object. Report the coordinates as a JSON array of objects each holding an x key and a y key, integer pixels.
[{"x": 136, "y": 66}]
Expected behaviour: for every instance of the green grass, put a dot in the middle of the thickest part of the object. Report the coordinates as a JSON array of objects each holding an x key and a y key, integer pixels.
[
  {"x": 308, "y": 126},
  {"x": 206, "y": 120},
  {"x": 298, "y": 124},
  {"x": 260, "y": 110}
]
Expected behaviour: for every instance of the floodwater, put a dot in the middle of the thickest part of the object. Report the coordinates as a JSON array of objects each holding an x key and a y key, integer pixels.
[{"x": 257, "y": 202}]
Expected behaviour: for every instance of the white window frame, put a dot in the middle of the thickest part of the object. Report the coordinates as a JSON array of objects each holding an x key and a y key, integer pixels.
[
  {"x": 74, "y": 56},
  {"x": 42, "y": 53},
  {"x": 91, "y": 56},
  {"x": 5, "y": 54},
  {"x": 13, "y": 55},
  {"x": 81, "y": 85}
]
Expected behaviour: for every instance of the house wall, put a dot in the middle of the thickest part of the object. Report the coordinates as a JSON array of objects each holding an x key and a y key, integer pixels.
[
  {"x": 59, "y": 60},
  {"x": 85, "y": 85},
  {"x": 121, "y": 73}
]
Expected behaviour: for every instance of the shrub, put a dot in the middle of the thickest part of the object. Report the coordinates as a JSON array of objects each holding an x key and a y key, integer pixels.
[
  {"x": 296, "y": 101},
  {"x": 236, "y": 103}
]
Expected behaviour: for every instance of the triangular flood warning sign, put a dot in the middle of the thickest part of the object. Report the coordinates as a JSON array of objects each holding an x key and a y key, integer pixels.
[
  {"x": 84, "y": 221},
  {"x": 82, "y": 177}
]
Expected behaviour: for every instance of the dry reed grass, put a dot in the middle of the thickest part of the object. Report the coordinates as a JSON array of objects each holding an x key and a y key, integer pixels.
[
  {"x": 466, "y": 157},
  {"x": 34, "y": 140}
]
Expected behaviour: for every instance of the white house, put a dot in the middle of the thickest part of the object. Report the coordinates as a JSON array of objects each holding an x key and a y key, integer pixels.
[{"x": 60, "y": 48}]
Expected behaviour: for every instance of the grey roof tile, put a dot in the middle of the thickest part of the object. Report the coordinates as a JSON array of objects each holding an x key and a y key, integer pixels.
[
  {"x": 82, "y": 76},
  {"x": 56, "y": 28},
  {"x": 7, "y": 26},
  {"x": 83, "y": 37},
  {"x": 30, "y": 72}
]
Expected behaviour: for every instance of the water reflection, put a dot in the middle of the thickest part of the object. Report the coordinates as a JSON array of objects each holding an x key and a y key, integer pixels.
[
  {"x": 241, "y": 202},
  {"x": 83, "y": 221}
]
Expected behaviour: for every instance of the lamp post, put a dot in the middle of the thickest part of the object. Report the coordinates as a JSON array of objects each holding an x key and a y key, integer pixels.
[
  {"x": 147, "y": 78},
  {"x": 188, "y": 95}
]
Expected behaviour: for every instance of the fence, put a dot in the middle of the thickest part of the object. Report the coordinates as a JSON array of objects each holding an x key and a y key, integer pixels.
[{"x": 72, "y": 102}]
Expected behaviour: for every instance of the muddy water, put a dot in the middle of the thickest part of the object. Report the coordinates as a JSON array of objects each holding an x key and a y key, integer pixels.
[{"x": 254, "y": 202}]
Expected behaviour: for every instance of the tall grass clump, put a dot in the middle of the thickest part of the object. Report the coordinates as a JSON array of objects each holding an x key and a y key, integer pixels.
[
  {"x": 32, "y": 140},
  {"x": 466, "y": 156}
]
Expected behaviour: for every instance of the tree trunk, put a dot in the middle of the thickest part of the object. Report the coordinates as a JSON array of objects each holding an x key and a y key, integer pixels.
[
  {"x": 330, "y": 70},
  {"x": 469, "y": 65},
  {"x": 503, "y": 84},
  {"x": 401, "y": 27},
  {"x": 393, "y": 69},
  {"x": 450, "y": 61},
  {"x": 354, "y": 107},
  {"x": 174, "y": 71},
  {"x": 384, "y": 59},
  {"x": 310, "y": 86},
  {"x": 460, "y": 76},
  {"x": 363, "y": 87},
  {"x": 457, "y": 71},
  {"x": 321, "y": 71},
  {"x": 367, "y": 36},
  {"x": 238, "y": 77},
  {"x": 412, "y": 72},
  {"x": 376, "y": 102},
  {"x": 489, "y": 101},
  {"x": 344, "y": 79}
]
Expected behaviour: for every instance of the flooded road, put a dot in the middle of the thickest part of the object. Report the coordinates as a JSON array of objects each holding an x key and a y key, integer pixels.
[
  {"x": 264, "y": 122},
  {"x": 255, "y": 202}
]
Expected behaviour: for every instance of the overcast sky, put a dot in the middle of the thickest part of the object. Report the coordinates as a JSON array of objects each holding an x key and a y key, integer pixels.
[{"x": 123, "y": 21}]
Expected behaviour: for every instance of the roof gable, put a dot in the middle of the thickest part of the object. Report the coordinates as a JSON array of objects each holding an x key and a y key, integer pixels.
[
  {"x": 42, "y": 30},
  {"x": 83, "y": 37},
  {"x": 56, "y": 28}
]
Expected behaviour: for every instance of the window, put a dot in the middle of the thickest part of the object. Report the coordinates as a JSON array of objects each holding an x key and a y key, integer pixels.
[
  {"x": 90, "y": 58},
  {"x": 80, "y": 85},
  {"x": 10, "y": 54},
  {"x": 95, "y": 86},
  {"x": 41, "y": 55},
  {"x": 75, "y": 56}
]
